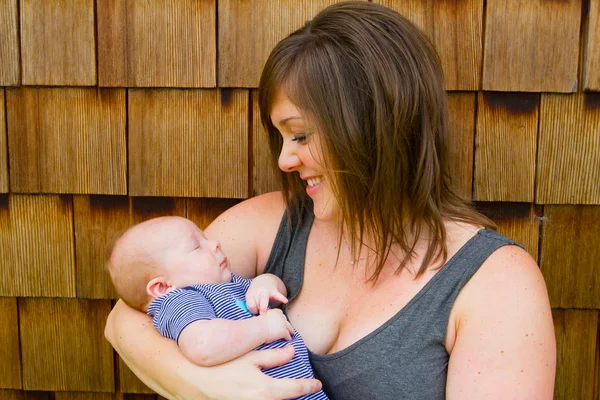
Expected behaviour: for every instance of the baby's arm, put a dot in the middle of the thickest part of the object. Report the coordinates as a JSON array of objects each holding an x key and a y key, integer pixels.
[
  {"x": 212, "y": 342},
  {"x": 188, "y": 317},
  {"x": 265, "y": 290}
]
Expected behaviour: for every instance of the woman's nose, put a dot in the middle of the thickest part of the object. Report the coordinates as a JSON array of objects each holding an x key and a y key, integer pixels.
[{"x": 288, "y": 160}]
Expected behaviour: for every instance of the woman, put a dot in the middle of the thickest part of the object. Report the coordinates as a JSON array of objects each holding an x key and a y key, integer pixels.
[{"x": 395, "y": 284}]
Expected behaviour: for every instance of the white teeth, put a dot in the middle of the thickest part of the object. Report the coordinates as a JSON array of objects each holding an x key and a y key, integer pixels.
[{"x": 315, "y": 181}]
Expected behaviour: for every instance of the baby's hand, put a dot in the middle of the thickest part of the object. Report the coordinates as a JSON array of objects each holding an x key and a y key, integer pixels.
[
  {"x": 258, "y": 298},
  {"x": 278, "y": 327}
]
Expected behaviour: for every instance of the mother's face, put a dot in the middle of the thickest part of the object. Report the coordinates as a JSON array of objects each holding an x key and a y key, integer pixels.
[{"x": 302, "y": 153}]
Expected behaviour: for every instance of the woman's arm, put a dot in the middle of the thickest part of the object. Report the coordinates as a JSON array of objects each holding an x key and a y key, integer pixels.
[
  {"x": 504, "y": 346},
  {"x": 159, "y": 364}
]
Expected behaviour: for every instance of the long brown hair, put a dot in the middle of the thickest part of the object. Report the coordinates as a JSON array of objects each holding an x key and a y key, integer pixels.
[{"x": 373, "y": 84}]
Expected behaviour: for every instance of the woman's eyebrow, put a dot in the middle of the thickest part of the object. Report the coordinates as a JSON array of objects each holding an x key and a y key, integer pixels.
[{"x": 283, "y": 121}]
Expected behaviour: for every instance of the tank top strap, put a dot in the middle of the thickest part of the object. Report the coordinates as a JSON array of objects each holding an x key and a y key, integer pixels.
[
  {"x": 289, "y": 249},
  {"x": 467, "y": 260}
]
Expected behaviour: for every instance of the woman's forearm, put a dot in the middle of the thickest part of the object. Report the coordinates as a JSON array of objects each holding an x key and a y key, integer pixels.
[{"x": 156, "y": 360}]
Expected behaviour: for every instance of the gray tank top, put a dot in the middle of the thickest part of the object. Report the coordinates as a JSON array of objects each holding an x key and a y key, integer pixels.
[{"x": 405, "y": 358}]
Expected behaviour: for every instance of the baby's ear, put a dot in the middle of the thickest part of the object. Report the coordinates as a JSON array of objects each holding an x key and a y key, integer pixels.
[{"x": 158, "y": 287}]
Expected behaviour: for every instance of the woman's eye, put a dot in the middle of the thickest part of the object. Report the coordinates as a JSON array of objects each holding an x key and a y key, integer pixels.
[{"x": 300, "y": 137}]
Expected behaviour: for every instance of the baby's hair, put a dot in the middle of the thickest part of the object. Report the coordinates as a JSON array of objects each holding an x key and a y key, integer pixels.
[{"x": 129, "y": 271}]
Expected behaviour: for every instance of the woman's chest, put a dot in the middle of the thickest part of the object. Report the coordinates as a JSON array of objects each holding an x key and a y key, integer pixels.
[{"x": 336, "y": 307}]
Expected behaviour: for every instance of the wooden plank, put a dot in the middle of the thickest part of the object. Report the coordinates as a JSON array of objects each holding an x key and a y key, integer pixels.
[
  {"x": 518, "y": 221},
  {"x": 265, "y": 173},
  {"x": 37, "y": 243},
  {"x": 569, "y": 255},
  {"x": 531, "y": 45},
  {"x": 98, "y": 220},
  {"x": 58, "y": 46},
  {"x": 101, "y": 396},
  {"x": 461, "y": 140},
  {"x": 188, "y": 143},
  {"x": 568, "y": 168},
  {"x": 63, "y": 346},
  {"x": 67, "y": 140},
  {"x": 10, "y": 367},
  {"x": 591, "y": 67},
  {"x": 9, "y": 43},
  {"x": 87, "y": 396},
  {"x": 205, "y": 211},
  {"x": 243, "y": 49},
  {"x": 456, "y": 30},
  {"x": 157, "y": 43},
  {"x": 23, "y": 395},
  {"x": 128, "y": 382},
  {"x": 506, "y": 146},
  {"x": 3, "y": 147},
  {"x": 576, "y": 343}
]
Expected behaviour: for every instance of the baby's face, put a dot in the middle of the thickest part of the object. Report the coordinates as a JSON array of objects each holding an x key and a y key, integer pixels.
[{"x": 190, "y": 258}]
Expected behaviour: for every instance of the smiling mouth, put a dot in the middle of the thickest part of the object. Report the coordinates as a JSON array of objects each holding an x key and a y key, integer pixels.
[{"x": 315, "y": 181}]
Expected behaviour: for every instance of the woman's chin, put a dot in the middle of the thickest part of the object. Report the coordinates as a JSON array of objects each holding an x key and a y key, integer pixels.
[{"x": 326, "y": 210}]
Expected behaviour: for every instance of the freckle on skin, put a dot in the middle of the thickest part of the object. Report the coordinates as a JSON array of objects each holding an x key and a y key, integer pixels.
[{"x": 501, "y": 351}]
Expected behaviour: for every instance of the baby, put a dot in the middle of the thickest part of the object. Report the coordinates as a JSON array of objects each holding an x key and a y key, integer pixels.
[{"x": 168, "y": 268}]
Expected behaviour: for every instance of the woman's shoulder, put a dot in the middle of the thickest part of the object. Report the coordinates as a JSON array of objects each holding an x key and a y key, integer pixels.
[
  {"x": 247, "y": 232},
  {"x": 501, "y": 325}
]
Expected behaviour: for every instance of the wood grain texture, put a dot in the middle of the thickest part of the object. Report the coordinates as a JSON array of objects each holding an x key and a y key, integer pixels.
[
  {"x": 455, "y": 27},
  {"x": 531, "y": 45},
  {"x": 461, "y": 140},
  {"x": 128, "y": 382},
  {"x": 3, "y": 147},
  {"x": 591, "y": 67},
  {"x": 101, "y": 396},
  {"x": 36, "y": 239},
  {"x": 518, "y": 221},
  {"x": 265, "y": 173},
  {"x": 10, "y": 367},
  {"x": 576, "y": 343},
  {"x": 98, "y": 221},
  {"x": 67, "y": 140},
  {"x": 9, "y": 43},
  {"x": 188, "y": 143},
  {"x": 23, "y": 395},
  {"x": 86, "y": 396},
  {"x": 58, "y": 45},
  {"x": 568, "y": 169},
  {"x": 248, "y": 31},
  {"x": 63, "y": 346},
  {"x": 205, "y": 211},
  {"x": 506, "y": 141},
  {"x": 166, "y": 43},
  {"x": 570, "y": 254}
]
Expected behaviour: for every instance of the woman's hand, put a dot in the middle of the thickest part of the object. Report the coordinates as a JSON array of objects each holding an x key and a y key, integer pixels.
[
  {"x": 159, "y": 363},
  {"x": 243, "y": 379}
]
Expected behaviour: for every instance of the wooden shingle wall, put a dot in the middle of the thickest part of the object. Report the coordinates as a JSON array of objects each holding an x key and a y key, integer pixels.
[{"x": 115, "y": 111}]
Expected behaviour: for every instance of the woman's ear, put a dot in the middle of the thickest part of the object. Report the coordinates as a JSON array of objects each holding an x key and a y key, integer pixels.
[{"x": 158, "y": 287}]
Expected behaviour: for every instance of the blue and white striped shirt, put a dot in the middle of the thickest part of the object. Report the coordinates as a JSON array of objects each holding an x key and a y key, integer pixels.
[{"x": 174, "y": 311}]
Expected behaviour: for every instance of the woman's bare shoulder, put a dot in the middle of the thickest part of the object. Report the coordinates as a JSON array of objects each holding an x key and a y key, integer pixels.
[
  {"x": 503, "y": 332},
  {"x": 247, "y": 232}
]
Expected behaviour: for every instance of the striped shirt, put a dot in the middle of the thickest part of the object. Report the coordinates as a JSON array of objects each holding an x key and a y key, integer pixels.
[{"x": 174, "y": 311}]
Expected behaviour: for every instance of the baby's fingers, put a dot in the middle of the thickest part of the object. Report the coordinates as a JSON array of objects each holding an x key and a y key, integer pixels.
[
  {"x": 252, "y": 306},
  {"x": 276, "y": 295},
  {"x": 264, "y": 302},
  {"x": 290, "y": 329}
]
